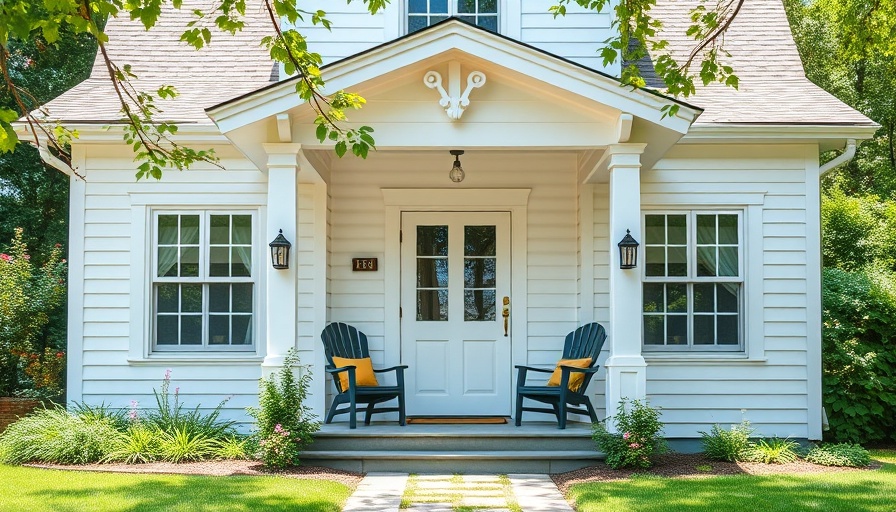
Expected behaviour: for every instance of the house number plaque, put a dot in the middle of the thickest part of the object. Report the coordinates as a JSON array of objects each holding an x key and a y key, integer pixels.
[{"x": 364, "y": 265}]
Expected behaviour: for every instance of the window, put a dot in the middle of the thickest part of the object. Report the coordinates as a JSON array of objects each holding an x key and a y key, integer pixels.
[
  {"x": 204, "y": 285},
  {"x": 423, "y": 13},
  {"x": 693, "y": 281}
]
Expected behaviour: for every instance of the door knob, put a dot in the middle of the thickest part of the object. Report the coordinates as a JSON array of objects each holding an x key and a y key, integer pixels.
[{"x": 506, "y": 314}]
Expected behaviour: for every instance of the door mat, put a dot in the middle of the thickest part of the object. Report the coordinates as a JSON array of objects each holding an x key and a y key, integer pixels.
[{"x": 457, "y": 420}]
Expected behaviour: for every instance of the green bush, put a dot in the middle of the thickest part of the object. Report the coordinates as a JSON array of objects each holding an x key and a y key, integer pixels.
[
  {"x": 235, "y": 447},
  {"x": 139, "y": 444},
  {"x": 859, "y": 354},
  {"x": 170, "y": 417},
  {"x": 638, "y": 436},
  {"x": 730, "y": 445},
  {"x": 285, "y": 424},
  {"x": 773, "y": 451},
  {"x": 60, "y": 437},
  {"x": 840, "y": 454}
]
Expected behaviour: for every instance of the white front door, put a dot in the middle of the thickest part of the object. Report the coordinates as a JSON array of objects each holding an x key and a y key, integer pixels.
[{"x": 455, "y": 274}]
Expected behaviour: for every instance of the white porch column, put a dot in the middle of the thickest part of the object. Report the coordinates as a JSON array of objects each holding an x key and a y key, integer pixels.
[
  {"x": 626, "y": 369},
  {"x": 281, "y": 290}
]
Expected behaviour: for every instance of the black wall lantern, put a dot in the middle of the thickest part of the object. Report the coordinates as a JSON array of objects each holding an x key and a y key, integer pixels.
[
  {"x": 628, "y": 251},
  {"x": 280, "y": 252}
]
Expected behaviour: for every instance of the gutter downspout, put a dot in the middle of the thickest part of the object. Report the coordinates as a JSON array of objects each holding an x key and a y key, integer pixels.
[{"x": 848, "y": 152}]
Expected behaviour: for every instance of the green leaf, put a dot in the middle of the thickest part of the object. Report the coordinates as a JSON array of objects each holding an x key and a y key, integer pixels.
[{"x": 340, "y": 148}]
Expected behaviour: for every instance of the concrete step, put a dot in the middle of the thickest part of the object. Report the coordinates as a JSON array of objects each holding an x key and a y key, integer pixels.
[{"x": 430, "y": 461}]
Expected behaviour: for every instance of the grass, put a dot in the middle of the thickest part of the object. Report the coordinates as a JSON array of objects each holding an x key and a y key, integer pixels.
[
  {"x": 849, "y": 491},
  {"x": 40, "y": 490}
]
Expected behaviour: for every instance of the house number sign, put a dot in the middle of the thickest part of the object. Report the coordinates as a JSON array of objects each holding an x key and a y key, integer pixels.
[{"x": 364, "y": 265}]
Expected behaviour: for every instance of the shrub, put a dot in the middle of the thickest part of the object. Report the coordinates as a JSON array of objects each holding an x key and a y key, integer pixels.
[
  {"x": 57, "y": 436},
  {"x": 841, "y": 454},
  {"x": 27, "y": 296},
  {"x": 281, "y": 408},
  {"x": 139, "y": 444},
  {"x": 181, "y": 444},
  {"x": 773, "y": 451},
  {"x": 170, "y": 416},
  {"x": 730, "y": 445},
  {"x": 859, "y": 385},
  {"x": 638, "y": 436},
  {"x": 235, "y": 447}
]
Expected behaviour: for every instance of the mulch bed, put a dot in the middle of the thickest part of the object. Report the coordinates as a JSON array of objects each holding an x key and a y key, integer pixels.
[
  {"x": 693, "y": 466},
  {"x": 219, "y": 468}
]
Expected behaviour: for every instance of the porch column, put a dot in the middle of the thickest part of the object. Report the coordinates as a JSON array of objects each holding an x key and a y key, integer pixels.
[
  {"x": 281, "y": 286},
  {"x": 626, "y": 369}
]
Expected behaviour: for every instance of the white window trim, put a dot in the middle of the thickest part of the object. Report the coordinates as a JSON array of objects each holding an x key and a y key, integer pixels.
[
  {"x": 140, "y": 340},
  {"x": 508, "y": 19},
  {"x": 702, "y": 351}
]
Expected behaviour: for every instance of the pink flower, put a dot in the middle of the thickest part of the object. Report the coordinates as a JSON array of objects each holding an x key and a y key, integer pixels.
[
  {"x": 27, "y": 256},
  {"x": 278, "y": 428},
  {"x": 168, "y": 374},
  {"x": 634, "y": 446},
  {"x": 626, "y": 436},
  {"x": 262, "y": 442},
  {"x": 5, "y": 257},
  {"x": 177, "y": 390}
]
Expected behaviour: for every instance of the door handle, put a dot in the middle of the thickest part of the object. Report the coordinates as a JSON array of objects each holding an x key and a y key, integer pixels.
[{"x": 506, "y": 314}]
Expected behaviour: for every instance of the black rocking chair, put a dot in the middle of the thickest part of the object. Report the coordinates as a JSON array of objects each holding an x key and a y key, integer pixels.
[
  {"x": 586, "y": 341},
  {"x": 343, "y": 340}
]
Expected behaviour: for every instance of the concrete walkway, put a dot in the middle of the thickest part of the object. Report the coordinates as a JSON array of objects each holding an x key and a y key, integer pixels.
[{"x": 391, "y": 492}]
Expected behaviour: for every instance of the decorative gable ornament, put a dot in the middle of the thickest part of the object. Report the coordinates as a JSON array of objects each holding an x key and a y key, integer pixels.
[{"x": 454, "y": 102}]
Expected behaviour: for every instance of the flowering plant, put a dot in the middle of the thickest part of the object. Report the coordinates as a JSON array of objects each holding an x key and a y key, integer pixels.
[
  {"x": 28, "y": 294},
  {"x": 637, "y": 436},
  {"x": 279, "y": 449}
]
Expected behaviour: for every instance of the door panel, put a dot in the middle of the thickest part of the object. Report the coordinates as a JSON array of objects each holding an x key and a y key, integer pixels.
[{"x": 455, "y": 273}]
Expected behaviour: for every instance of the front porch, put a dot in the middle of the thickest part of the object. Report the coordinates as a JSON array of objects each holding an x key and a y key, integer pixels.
[{"x": 535, "y": 447}]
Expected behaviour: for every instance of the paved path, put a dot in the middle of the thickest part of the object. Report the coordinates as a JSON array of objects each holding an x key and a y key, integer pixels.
[{"x": 391, "y": 492}]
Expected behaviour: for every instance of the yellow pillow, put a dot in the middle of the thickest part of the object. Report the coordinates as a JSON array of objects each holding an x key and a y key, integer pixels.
[
  {"x": 575, "y": 379},
  {"x": 364, "y": 375}
]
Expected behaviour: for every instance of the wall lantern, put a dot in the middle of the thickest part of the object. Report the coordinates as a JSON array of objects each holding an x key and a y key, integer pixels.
[
  {"x": 457, "y": 172},
  {"x": 628, "y": 251},
  {"x": 280, "y": 252}
]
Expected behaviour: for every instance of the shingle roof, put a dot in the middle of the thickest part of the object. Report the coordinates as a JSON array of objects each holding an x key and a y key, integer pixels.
[
  {"x": 228, "y": 67},
  {"x": 773, "y": 86}
]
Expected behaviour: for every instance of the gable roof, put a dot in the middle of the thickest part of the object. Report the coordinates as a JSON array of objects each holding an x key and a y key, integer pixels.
[{"x": 773, "y": 86}]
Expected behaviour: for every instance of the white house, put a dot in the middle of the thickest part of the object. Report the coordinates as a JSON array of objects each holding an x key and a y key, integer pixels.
[{"x": 721, "y": 318}]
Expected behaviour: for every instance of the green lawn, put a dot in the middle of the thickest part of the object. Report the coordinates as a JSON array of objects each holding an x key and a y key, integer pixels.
[
  {"x": 872, "y": 491},
  {"x": 73, "y": 491}
]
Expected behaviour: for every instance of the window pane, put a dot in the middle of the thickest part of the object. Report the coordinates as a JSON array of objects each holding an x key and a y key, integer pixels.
[
  {"x": 727, "y": 329},
  {"x": 435, "y": 19},
  {"x": 432, "y": 305},
  {"x": 242, "y": 297},
  {"x": 728, "y": 229},
  {"x": 678, "y": 229},
  {"x": 167, "y": 229},
  {"x": 654, "y": 229},
  {"x": 488, "y": 23},
  {"x": 653, "y": 330},
  {"x": 706, "y": 261},
  {"x": 678, "y": 261},
  {"x": 438, "y": 6},
  {"x": 242, "y": 229},
  {"x": 704, "y": 329},
  {"x": 677, "y": 330},
  {"x": 191, "y": 298},
  {"x": 416, "y": 23},
  {"x": 167, "y": 262},
  {"x": 189, "y": 261},
  {"x": 727, "y": 297},
  {"x": 219, "y": 261},
  {"x": 479, "y": 273},
  {"x": 167, "y": 298},
  {"x": 704, "y": 298},
  {"x": 677, "y": 298},
  {"x": 241, "y": 261},
  {"x": 488, "y": 6},
  {"x": 191, "y": 330},
  {"x": 432, "y": 272},
  {"x": 466, "y": 6},
  {"x": 219, "y": 229},
  {"x": 218, "y": 329},
  {"x": 166, "y": 329},
  {"x": 706, "y": 229},
  {"x": 479, "y": 305},
  {"x": 655, "y": 261},
  {"x": 417, "y": 6},
  {"x": 479, "y": 240},
  {"x": 469, "y": 19},
  {"x": 728, "y": 261},
  {"x": 432, "y": 240},
  {"x": 219, "y": 298},
  {"x": 653, "y": 298},
  {"x": 189, "y": 229},
  {"x": 242, "y": 329}
]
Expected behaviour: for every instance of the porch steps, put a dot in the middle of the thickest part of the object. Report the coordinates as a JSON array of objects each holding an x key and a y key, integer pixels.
[{"x": 386, "y": 447}]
